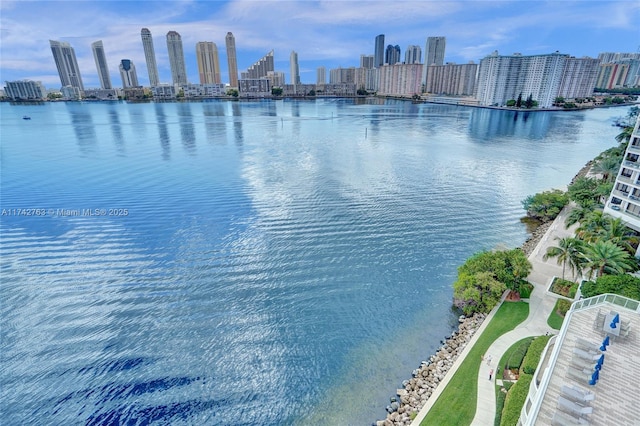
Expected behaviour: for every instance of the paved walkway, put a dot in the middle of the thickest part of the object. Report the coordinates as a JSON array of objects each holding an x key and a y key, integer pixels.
[{"x": 541, "y": 304}]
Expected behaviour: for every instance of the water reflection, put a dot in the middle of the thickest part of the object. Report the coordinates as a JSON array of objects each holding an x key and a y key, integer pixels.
[
  {"x": 215, "y": 124},
  {"x": 83, "y": 126},
  {"x": 187, "y": 131},
  {"x": 236, "y": 110},
  {"x": 165, "y": 140},
  {"x": 116, "y": 128},
  {"x": 490, "y": 125}
]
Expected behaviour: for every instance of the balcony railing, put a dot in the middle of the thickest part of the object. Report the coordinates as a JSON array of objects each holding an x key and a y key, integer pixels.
[{"x": 632, "y": 164}]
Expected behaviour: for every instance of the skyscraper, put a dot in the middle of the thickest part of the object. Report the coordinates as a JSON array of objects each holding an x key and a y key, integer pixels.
[
  {"x": 321, "y": 76},
  {"x": 379, "y": 51},
  {"x": 208, "y": 62},
  {"x": 261, "y": 68},
  {"x": 433, "y": 54},
  {"x": 128, "y": 74},
  {"x": 367, "y": 61},
  {"x": 294, "y": 68},
  {"x": 150, "y": 57},
  {"x": 176, "y": 58},
  {"x": 392, "y": 55},
  {"x": 413, "y": 55},
  {"x": 231, "y": 59},
  {"x": 67, "y": 64},
  {"x": 101, "y": 64}
]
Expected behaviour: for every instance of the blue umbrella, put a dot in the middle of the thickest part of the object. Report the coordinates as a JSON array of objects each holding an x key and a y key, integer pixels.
[
  {"x": 594, "y": 378},
  {"x": 600, "y": 361},
  {"x": 616, "y": 319},
  {"x": 605, "y": 343},
  {"x": 613, "y": 324}
]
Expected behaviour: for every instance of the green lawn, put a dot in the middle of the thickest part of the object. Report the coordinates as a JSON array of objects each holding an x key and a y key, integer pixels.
[
  {"x": 457, "y": 404},
  {"x": 555, "y": 320}
]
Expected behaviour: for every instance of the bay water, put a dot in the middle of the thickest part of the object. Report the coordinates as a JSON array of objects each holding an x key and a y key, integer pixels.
[{"x": 251, "y": 263}]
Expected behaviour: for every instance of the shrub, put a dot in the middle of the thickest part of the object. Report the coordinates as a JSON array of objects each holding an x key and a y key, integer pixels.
[
  {"x": 564, "y": 287},
  {"x": 525, "y": 290},
  {"x": 516, "y": 357},
  {"x": 515, "y": 400},
  {"x": 562, "y": 306},
  {"x": 532, "y": 358},
  {"x": 624, "y": 285},
  {"x": 546, "y": 205}
]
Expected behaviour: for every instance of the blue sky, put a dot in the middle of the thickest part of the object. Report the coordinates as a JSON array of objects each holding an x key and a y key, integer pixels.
[{"x": 324, "y": 33}]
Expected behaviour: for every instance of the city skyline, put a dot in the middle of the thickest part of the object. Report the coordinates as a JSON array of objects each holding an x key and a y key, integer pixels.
[{"x": 329, "y": 34}]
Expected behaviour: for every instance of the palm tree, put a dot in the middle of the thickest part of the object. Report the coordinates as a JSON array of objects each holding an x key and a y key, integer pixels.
[
  {"x": 607, "y": 257},
  {"x": 578, "y": 215},
  {"x": 608, "y": 167},
  {"x": 617, "y": 232},
  {"x": 569, "y": 250},
  {"x": 590, "y": 227}
]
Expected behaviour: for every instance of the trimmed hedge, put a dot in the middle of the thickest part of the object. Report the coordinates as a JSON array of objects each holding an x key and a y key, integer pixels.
[
  {"x": 515, "y": 400},
  {"x": 624, "y": 285},
  {"x": 532, "y": 358},
  {"x": 500, "y": 397},
  {"x": 516, "y": 357}
]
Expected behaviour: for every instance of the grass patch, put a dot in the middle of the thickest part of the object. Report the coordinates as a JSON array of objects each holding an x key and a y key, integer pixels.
[
  {"x": 512, "y": 358},
  {"x": 457, "y": 403},
  {"x": 556, "y": 317},
  {"x": 564, "y": 288}
]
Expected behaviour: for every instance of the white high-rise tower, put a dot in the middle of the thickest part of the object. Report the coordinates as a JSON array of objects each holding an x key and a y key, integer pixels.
[
  {"x": 67, "y": 64},
  {"x": 150, "y": 57},
  {"x": 101, "y": 64},
  {"x": 176, "y": 58}
]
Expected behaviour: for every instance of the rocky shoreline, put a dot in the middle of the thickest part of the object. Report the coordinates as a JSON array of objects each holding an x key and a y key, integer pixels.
[{"x": 417, "y": 390}]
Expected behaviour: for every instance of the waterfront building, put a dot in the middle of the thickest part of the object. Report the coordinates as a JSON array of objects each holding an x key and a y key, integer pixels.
[
  {"x": 67, "y": 64},
  {"x": 610, "y": 57},
  {"x": 367, "y": 61},
  {"x": 433, "y": 54},
  {"x": 164, "y": 91},
  {"x": 294, "y": 68},
  {"x": 624, "y": 200},
  {"x": 392, "y": 55},
  {"x": 71, "y": 93},
  {"x": 260, "y": 69},
  {"x": 567, "y": 388},
  {"x": 232, "y": 60},
  {"x": 102, "y": 94},
  {"x": 621, "y": 73},
  {"x": 379, "y": 51},
  {"x": 342, "y": 75},
  {"x": 176, "y": 58},
  {"x": 150, "y": 57},
  {"x": 276, "y": 78},
  {"x": 101, "y": 64},
  {"x": 400, "y": 80},
  {"x": 339, "y": 90},
  {"x": 502, "y": 78},
  {"x": 128, "y": 74},
  {"x": 321, "y": 76},
  {"x": 254, "y": 87},
  {"x": 208, "y": 62},
  {"x": 413, "y": 55},
  {"x": 579, "y": 78},
  {"x": 298, "y": 89},
  {"x": 25, "y": 90},
  {"x": 452, "y": 79},
  {"x": 133, "y": 93},
  {"x": 367, "y": 78},
  {"x": 209, "y": 90}
]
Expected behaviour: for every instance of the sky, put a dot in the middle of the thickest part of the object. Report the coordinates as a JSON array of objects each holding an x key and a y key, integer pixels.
[{"x": 330, "y": 33}]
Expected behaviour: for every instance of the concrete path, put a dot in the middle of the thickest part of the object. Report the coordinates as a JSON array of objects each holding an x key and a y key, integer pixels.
[{"x": 541, "y": 304}]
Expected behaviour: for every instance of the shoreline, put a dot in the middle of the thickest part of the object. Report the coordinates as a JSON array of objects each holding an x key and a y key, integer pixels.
[{"x": 418, "y": 389}]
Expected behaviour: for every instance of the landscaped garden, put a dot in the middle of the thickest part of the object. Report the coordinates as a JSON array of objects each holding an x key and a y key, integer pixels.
[{"x": 563, "y": 287}]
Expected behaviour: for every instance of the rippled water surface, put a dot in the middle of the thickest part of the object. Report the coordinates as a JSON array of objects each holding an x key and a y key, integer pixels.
[{"x": 268, "y": 263}]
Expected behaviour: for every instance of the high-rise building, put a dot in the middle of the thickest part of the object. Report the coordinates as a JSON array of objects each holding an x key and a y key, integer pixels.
[
  {"x": 433, "y": 54},
  {"x": 232, "y": 60},
  {"x": 379, "y": 51},
  {"x": 101, "y": 64},
  {"x": 624, "y": 200},
  {"x": 502, "y": 78},
  {"x": 413, "y": 55},
  {"x": 261, "y": 68},
  {"x": 367, "y": 61},
  {"x": 579, "y": 78},
  {"x": 400, "y": 79},
  {"x": 392, "y": 55},
  {"x": 67, "y": 64},
  {"x": 176, "y": 58},
  {"x": 150, "y": 57},
  {"x": 208, "y": 62},
  {"x": 128, "y": 74},
  {"x": 294, "y": 68},
  {"x": 321, "y": 76},
  {"x": 451, "y": 79}
]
